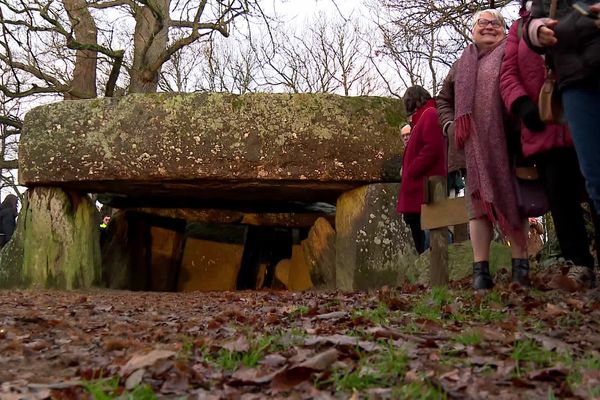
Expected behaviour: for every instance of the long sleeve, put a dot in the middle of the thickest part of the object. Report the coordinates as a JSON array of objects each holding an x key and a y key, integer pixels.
[
  {"x": 445, "y": 100},
  {"x": 431, "y": 145},
  {"x": 511, "y": 87}
]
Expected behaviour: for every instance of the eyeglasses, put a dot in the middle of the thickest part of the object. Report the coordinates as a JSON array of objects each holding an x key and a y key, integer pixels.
[{"x": 482, "y": 23}]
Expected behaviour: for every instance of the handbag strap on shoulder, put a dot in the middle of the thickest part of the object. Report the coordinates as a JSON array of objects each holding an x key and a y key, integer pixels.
[{"x": 553, "y": 8}]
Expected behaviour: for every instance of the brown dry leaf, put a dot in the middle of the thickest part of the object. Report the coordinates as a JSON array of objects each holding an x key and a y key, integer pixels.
[
  {"x": 562, "y": 282},
  {"x": 453, "y": 375},
  {"x": 252, "y": 376},
  {"x": 289, "y": 378},
  {"x": 321, "y": 361},
  {"x": 273, "y": 360},
  {"x": 575, "y": 303},
  {"x": 412, "y": 376},
  {"x": 555, "y": 311},
  {"x": 135, "y": 378},
  {"x": 332, "y": 315},
  {"x": 385, "y": 333},
  {"x": 238, "y": 345},
  {"x": 342, "y": 340},
  {"x": 495, "y": 335},
  {"x": 553, "y": 374},
  {"x": 145, "y": 360},
  {"x": 550, "y": 343}
]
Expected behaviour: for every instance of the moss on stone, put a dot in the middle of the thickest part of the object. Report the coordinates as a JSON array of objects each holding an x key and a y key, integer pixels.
[{"x": 59, "y": 238}]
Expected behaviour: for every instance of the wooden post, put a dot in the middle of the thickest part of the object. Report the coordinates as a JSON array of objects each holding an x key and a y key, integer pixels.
[
  {"x": 461, "y": 233},
  {"x": 438, "y": 237}
]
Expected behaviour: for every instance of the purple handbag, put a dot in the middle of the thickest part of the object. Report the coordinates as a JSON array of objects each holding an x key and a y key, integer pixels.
[{"x": 531, "y": 197}]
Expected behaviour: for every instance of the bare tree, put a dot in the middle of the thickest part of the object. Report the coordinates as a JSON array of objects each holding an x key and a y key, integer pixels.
[
  {"x": 421, "y": 39},
  {"x": 329, "y": 56},
  {"x": 66, "y": 48}
]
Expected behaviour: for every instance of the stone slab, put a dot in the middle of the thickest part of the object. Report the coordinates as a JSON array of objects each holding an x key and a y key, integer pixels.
[
  {"x": 216, "y": 216},
  {"x": 302, "y": 147},
  {"x": 209, "y": 266}
]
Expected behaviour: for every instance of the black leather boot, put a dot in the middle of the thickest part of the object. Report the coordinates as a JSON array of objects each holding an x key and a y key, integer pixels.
[
  {"x": 481, "y": 276},
  {"x": 520, "y": 271}
]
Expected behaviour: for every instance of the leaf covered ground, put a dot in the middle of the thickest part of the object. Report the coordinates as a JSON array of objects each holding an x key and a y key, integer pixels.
[{"x": 408, "y": 342}]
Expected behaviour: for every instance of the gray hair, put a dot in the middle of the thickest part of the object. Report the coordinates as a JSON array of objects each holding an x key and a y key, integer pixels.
[{"x": 497, "y": 14}]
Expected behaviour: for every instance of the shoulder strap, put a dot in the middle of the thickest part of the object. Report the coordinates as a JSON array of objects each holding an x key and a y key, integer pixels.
[
  {"x": 520, "y": 28},
  {"x": 553, "y": 7}
]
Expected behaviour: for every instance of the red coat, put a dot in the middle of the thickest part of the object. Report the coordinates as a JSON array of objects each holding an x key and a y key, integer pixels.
[
  {"x": 424, "y": 156},
  {"x": 522, "y": 74}
]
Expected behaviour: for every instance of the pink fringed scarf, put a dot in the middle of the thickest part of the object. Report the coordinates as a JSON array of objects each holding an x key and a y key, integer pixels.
[{"x": 479, "y": 129}]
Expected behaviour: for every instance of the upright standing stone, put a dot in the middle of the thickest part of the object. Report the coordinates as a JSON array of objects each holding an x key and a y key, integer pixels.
[
  {"x": 319, "y": 251},
  {"x": 59, "y": 240},
  {"x": 373, "y": 245}
]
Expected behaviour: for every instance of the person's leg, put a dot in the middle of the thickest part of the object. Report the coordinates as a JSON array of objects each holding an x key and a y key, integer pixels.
[
  {"x": 520, "y": 261},
  {"x": 596, "y": 223},
  {"x": 413, "y": 220},
  {"x": 583, "y": 116},
  {"x": 481, "y": 238},
  {"x": 563, "y": 183}
]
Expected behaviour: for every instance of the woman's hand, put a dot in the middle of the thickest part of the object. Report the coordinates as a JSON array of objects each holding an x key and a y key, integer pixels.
[
  {"x": 596, "y": 8},
  {"x": 546, "y": 34}
]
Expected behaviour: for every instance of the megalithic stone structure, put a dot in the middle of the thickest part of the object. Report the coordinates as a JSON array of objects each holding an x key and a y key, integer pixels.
[{"x": 224, "y": 155}]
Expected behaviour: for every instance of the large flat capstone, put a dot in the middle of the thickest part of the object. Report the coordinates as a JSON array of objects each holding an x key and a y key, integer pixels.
[{"x": 205, "y": 149}]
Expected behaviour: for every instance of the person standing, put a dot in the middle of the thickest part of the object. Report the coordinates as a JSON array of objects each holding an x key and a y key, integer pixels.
[
  {"x": 424, "y": 156},
  {"x": 480, "y": 127},
  {"x": 571, "y": 44},
  {"x": 551, "y": 148},
  {"x": 8, "y": 218}
]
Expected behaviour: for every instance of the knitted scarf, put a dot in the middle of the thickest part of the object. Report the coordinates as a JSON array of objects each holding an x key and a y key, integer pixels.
[{"x": 479, "y": 129}]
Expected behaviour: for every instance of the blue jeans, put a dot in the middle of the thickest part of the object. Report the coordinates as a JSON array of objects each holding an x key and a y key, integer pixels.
[{"x": 582, "y": 109}]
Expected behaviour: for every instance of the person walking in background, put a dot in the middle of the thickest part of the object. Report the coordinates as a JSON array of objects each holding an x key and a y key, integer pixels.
[
  {"x": 480, "y": 126},
  {"x": 424, "y": 156},
  {"x": 8, "y": 218},
  {"x": 551, "y": 147},
  {"x": 572, "y": 47}
]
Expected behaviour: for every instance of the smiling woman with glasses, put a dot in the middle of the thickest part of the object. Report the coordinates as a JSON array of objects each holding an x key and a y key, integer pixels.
[{"x": 472, "y": 115}]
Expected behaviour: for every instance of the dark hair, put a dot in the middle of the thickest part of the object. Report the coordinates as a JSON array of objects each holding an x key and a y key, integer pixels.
[
  {"x": 414, "y": 98},
  {"x": 9, "y": 201}
]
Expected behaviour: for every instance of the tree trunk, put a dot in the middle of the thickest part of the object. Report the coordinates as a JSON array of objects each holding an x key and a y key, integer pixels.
[
  {"x": 83, "y": 84},
  {"x": 150, "y": 40}
]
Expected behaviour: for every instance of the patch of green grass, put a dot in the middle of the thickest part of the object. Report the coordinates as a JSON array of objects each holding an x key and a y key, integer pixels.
[
  {"x": 594, "y": 392},
  {"x": 379, "y": 315},
  {"x": 527, "y": 352},
  {"x": 411, "y": 327},
  {"x": 578, "y": 366},
  {"x": 493, "y": 297},
  {"x": 187, "y": 348},
  {"x": 283, "y": 339},
  {"x": 425, "y": 310},
  {"x": 430, "y": 306},
  {"x": 469, "y": 338},
  {"x": 233, "y": 360},
  {"x": 109, "y": 389},
  {"x": 418, "y": 390},
  {"x": 489, "y": 315},
  {"x": 384, "y": 368},
  {"x": 574, "y": 319},
  {"x": 300, "y": 311}
]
